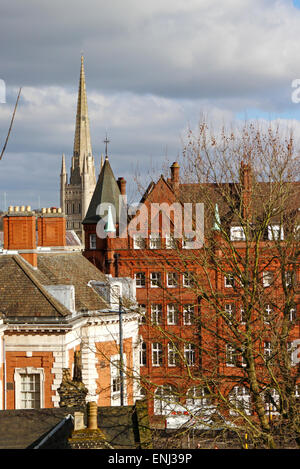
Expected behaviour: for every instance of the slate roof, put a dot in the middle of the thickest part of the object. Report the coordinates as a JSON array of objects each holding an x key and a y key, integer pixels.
[
  {"x": 124, "y": 427},
  {"x": 22, "y": 291},
  {"x": 106, "y": 191}
]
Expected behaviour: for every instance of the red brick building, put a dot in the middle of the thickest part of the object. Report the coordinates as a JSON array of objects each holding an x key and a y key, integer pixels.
[{"x": 189, "y": 292}]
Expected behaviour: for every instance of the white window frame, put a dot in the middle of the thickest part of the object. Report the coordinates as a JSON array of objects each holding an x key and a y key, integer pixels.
[
  {"x": 268, "y": 278},
  {"x": 140, "y": 282},
  {"x": 156, "y": 313},
  {"x": 241, "y": 399},
  {"x": 157, "y": 354},
  {"x": 172, "y": 354},
  {"x": 154, "y": 241},
  {"x": 198, "y": 397},
  {"x": 189, "y": 354},
  {"x": 268, "y": 312},
  {"x": 229, "y": 280},
  {"x": 18, "y": 384},
  {"x": 275, "y": 232},
  {"x": 229, "y": 311},
  {"x": 187, "y": 280},
  {"x": 188, "y": 242},
  {"x": 143, "y": 352},
  {"x": 139, "y": 242},
  {"x": 115, "y": 396},
  {"x": 230, "y": 355},
  {"x": 188, "y": 314},
  {"x": 155, "y": 279},
  {"x": 172, "y": 314},
  {"x": 172, "y": 279},
  {"x": 170, "y": 242},
  {"x": 268, "y": 349},
  {"x": 237, "y": 233}
]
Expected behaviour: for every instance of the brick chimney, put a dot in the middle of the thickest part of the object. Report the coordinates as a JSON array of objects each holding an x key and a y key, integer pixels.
[
  {"x": 122, "y": 185},
  {"x": 175, "y": 168},
  {"x": 51, "y": 228},
  {"x": 19, "y": 227},
  {"x": 246, "y": 189}
]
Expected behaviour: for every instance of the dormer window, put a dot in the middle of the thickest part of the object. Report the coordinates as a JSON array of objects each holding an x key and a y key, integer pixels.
[{"x": 237, "y": 233}]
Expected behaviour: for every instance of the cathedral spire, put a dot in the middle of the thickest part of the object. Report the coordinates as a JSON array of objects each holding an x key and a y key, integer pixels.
[{"x": 82, "y": 140}]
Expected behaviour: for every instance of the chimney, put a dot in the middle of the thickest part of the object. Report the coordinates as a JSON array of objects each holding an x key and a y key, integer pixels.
[
  {"x": 246, "y": 190},
  {"x": 122, "y": 185},
  {"x": 175, "y": 177},
  {"x": 19, "y": 227},
  {"x": 51, "y": 228},
  {"x": 92, "y": 411}
]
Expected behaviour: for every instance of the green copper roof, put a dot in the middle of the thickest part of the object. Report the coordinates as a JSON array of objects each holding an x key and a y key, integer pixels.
[{"x": 106, "y": 191}]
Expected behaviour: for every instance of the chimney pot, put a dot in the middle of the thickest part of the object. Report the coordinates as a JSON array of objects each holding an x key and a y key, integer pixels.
[
  {"x": 92, "y": 410},
  {"x": 28, "y": 208},
  {"x": 16, "y": 208},
  {"x": 22, "y": 208}
]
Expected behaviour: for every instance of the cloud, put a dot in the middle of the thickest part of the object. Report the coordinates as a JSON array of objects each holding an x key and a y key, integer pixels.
[{"x": 152, "y": 68}]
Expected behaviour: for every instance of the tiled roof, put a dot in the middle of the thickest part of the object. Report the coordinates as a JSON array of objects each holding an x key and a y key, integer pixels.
[{"x": 22, "y": 291}]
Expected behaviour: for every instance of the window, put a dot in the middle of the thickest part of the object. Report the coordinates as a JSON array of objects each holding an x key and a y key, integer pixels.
[
  {"x": 271, "y": 398},
  {"x": 172, "y": 279},
  {"x": 143, "y": 353},
  {"x": 172, "y": 354},
  {"x": 140, "y": 279},
  {"x": 268, "y": 278},
  {"x": 157, "y": 354},
  {"x": 170, "y": 242},
  {"x": 188, "y": 279},
  {"x": 292, "y": 314},
  {"x": 289, "y": 279},
  {"x": 275, "y": 232},
  {"x": 240, "y": 400},
  {"x": 267, "y": 350},
  {"x": 156, "y": 313},
  {"x": 93, "y": 241},
  {"x": 30, "y": 391},
  {"x": 230, "y": 355},
  {"x": 198, "y": 397},
  {"x": 165, "y": 400},
  {"x": 268, "y": 314},
  {"x": 155, "y": 279},
  {"x": 229, "y": 280},
  {"x": 188, "y": 241},
  {"x": 142, "y": 311},
  {"x": 29, "y": 387},
  {"x": 154, "y": 241},
  {"x": 188, "y": 314},
  {"x": 237, "y": 233},
  {"x": 138, "y": 242},
  {"x": 243, "y": 315},
  {"x": 189, "y": 354},
  {"x": 116, "y": 380},
  {"x": 229, "y": 312},
  {"x": 172, "y": 314}
]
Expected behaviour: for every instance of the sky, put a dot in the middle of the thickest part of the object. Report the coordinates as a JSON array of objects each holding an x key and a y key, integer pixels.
[{"x": 152, "y": 69}]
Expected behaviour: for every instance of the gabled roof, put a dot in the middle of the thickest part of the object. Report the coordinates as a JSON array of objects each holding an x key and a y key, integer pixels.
[
  {"x": 23, "y": 292},
  {"x": 106, "y": 191}
]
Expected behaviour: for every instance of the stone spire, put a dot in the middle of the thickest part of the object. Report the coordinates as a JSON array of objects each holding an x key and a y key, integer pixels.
[{"x": 82, "y": 139}]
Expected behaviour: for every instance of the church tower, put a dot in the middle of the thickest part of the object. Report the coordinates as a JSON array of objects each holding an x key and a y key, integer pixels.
[{"x": 76, "y": 194}]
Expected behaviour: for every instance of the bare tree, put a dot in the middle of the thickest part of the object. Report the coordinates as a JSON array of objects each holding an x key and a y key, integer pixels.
[{"x": 244, "y": 370}]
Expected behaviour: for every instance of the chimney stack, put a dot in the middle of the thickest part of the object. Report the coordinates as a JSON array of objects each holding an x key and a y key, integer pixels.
[
  {"x": 246, "y": 190},
  {"x": 52, "y": 228},
  {"x": 175, "y": 177},
  {"x": 19, "y": 227},
  {"x": 92, "y": 411},
  {"x": 122, "y": 185}
]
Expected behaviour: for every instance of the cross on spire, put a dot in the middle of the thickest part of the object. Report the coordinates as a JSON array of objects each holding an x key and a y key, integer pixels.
[{"x": 106, "y": 141}]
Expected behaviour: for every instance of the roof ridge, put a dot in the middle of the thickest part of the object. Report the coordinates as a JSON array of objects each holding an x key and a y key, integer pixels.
[{"x": 56, "y": 304}]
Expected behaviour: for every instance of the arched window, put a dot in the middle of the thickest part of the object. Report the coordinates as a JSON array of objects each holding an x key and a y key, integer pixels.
[
  {"x": 165, "y": 399},
  {"x": 198, "y": 396},
  {"x": 240, "y": 400}
]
